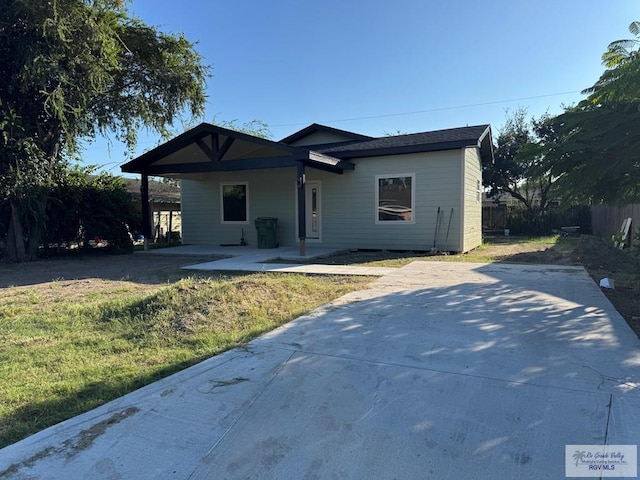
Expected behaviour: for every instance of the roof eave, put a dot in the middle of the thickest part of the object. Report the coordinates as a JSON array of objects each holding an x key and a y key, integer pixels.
[
  {"x": 485, "y": 145},
  {"x": 401, "y": 150}
]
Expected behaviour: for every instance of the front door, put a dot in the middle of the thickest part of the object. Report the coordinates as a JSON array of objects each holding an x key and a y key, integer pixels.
[{"x": 313, "y": 210}]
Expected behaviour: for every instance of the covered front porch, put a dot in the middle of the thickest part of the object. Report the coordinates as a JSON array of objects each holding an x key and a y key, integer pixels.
[{"x": 210, "y": 151}]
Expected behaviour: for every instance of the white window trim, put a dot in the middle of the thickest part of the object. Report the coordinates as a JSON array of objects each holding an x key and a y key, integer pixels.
[
  {"x": 222, "y": 220},
  {"x": 413, "y": 200}
]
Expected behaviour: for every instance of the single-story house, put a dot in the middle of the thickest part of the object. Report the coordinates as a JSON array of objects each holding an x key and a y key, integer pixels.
[{"x": 326, "y": 186}]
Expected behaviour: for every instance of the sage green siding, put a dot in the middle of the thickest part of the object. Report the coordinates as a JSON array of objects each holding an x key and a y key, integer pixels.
[
  {"x": 472, "y": 236},
  {"x": 271, "y": 194},
  {"x": 348, "y": 204}
]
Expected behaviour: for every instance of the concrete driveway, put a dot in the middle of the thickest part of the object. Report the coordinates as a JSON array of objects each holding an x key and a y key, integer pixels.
[{"x": 440, "y": 370}]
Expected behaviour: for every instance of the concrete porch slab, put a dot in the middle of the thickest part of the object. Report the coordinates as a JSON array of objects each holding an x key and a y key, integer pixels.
[
  {"x": 249, "y": 259},
  {"x": 248, "y": 252}
]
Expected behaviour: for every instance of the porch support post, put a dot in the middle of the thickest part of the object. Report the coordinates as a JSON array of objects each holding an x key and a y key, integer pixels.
[
  {"x": 146, "y": 218},
  {"x": 302, "y": 209}
]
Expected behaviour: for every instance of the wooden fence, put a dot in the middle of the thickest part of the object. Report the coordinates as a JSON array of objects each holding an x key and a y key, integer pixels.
[
  {"x": 606, "y": 220},
  {"x": 494, "y": 218}
]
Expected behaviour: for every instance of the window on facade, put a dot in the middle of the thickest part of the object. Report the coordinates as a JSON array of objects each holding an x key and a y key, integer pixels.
[
  {"x": 235, "y": 204},
  {"x": 395, "y": 198}
]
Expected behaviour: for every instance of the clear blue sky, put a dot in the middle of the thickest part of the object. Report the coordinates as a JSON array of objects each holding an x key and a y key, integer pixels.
[{"x": 376, "y": 67}]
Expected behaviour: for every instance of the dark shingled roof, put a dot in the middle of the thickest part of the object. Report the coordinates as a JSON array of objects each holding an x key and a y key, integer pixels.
[
  {"x": 448, "y": 139},
  {"x": 316, "y": 127}
]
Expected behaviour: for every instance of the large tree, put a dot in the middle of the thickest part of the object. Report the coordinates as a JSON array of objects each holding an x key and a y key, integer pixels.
[
  {"x": 71, "y": 70},
  {"x": 601, "y": 150},
  {"x": 522, "y": 163}
]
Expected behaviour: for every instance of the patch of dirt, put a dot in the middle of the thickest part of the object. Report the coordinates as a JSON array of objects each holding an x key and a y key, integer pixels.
[
  {"x": 93, "y": 271},
  {"x": 92, "y": 276},
  {"x": 508, "y": 249},
  {"x": 597, "y": 255}
]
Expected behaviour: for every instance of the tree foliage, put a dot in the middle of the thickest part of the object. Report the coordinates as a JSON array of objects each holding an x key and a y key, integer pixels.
[
  {"x": 600, "y": 158},
  {"x": 255, "y": 127},
  {"x": 83, "y": 207},
  {"x": 74, "y": 69},
  {"x": 524, "y": 153}
]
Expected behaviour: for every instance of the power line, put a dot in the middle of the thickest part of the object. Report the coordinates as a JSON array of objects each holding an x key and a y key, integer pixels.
[{"x": 429, "y": 110}]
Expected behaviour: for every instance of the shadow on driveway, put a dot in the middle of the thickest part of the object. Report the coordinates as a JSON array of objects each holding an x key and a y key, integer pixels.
[{"x": 440, "y": 370}]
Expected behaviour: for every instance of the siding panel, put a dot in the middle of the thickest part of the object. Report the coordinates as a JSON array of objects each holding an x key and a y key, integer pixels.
[{"x": 472, "y": 199}]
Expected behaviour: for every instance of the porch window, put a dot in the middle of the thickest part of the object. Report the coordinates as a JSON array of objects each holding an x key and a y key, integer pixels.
[
  {"x": 395, "y": 198},
  {"x": 235, "y": 202}
]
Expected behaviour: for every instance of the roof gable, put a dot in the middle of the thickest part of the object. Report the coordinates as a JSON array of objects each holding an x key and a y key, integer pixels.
[
  {"x": 316, "y": 134},
  {"x": 210, "y": 148}
]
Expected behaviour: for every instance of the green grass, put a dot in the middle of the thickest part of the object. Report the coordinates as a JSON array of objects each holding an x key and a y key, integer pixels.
[
  {"x": 485, "y": 253},
  {"x": 59, "y": 358}
]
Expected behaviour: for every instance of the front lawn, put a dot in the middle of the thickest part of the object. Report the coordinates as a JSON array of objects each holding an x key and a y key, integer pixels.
[{"x": 67, "y": 346}]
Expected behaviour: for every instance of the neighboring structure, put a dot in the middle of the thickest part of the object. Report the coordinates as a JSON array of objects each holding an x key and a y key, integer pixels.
[
  {"x": 494, "y": 211},
  {"x": 328, "y": 187},
  {"x": 164, "y": 207}
]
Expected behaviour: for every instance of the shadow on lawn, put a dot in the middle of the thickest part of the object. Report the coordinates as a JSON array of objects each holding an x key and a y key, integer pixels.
[{"x": 138, "y": 267}]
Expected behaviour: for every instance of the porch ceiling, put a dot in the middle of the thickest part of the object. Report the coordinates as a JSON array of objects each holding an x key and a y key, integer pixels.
[{"x": 209, "y": 148}]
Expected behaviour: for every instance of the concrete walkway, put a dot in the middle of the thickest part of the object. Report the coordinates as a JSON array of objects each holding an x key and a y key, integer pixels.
[
  {"x": 248, "y": 259},
  {"x": 439, "y": 370}
]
